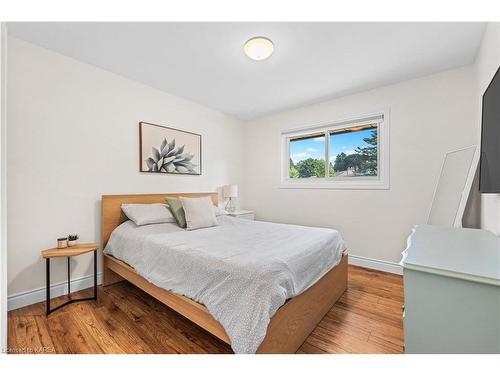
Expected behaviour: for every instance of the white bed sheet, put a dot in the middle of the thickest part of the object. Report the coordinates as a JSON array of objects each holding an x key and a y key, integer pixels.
[{"x": 241, "y": 270}]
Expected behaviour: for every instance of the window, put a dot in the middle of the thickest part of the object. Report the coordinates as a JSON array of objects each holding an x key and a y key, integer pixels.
[
  {"x": 307, "y": 156},
  {"x": 356, "y": 151}
]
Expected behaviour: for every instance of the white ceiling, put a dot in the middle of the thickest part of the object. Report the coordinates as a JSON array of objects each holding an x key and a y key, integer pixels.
[{"x": 312, "y": 62}]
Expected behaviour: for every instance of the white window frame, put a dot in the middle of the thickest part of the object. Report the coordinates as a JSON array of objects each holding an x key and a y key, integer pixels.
[{"x": 381, "y": 181}]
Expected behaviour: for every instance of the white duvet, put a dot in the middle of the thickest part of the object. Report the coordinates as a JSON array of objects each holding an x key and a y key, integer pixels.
[{"x": 241, "y": 270}]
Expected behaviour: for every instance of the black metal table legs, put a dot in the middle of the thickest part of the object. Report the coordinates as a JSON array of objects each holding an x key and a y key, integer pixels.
[
  {"x": 47, "y": 283},
  {"x": 47, "y": 275}
]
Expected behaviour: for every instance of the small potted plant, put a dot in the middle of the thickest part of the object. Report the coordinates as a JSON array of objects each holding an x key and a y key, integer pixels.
[
  {"x": 62, "y": 242},
  {"x": 72, "y": 239}
]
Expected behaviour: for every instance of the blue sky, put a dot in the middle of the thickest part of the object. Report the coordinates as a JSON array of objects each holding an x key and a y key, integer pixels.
[{"x": 314, "y": 147}]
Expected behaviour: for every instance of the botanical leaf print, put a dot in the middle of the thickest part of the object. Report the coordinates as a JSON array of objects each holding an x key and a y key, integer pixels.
[{"x": 170, "y": 159}]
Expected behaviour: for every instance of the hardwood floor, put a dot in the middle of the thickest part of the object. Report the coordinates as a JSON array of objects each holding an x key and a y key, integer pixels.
[{"x": 366, "y": 319}]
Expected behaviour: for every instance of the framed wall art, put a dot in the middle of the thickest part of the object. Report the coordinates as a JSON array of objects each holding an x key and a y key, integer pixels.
[{"x": 168, "y": 150}]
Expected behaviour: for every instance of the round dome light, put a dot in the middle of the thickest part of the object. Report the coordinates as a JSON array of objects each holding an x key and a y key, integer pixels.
[{"x": 259, "y": 48}]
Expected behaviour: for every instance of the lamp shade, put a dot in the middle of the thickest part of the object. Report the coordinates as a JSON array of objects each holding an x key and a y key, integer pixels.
[{"x": 230, "y": 191}]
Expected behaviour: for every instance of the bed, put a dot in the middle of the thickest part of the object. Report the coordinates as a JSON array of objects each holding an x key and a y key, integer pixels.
[{"x": 224, "y": 271}]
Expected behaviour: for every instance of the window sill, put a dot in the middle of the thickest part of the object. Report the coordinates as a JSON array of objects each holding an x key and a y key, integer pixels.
[{"x": 342, "y": 185}]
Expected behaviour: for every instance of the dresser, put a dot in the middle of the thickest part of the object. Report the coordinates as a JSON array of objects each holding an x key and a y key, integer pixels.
[{"x": 452, "y": 291}]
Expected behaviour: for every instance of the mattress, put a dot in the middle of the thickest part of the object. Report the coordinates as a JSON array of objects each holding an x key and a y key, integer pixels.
[{"x": 243, "y": 271}]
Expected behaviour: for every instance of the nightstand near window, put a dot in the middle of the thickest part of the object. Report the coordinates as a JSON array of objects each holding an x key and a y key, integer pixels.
[{"x": 243, "y": 214}]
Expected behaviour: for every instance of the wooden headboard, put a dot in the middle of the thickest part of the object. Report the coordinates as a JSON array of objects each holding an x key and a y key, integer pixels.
[{"x": 112, "y": 214}]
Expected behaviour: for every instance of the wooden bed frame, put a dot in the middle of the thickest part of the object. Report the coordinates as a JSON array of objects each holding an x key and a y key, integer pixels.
[{"x": 288, "y": 328}]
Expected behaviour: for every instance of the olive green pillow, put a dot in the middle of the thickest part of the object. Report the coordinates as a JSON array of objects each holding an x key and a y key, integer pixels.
[{"x": 177, "y": 210}]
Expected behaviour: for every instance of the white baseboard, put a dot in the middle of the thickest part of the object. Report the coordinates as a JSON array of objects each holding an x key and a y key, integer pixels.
[
  {"x": 379, "y": 265},
  {"x": 30, "y": 297}
]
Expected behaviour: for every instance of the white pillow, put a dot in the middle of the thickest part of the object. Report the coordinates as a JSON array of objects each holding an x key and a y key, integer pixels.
[
  {"x": 142, "y": 214},
  {"x": 219, "y": 211},
  {"x": 199, "y": 212}
]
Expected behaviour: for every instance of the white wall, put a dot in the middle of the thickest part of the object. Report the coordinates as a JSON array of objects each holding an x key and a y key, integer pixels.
[
  {"x": 429, "y": 116},
  {"x": 73, "y": 136},
  {"x": 487, "y": 62},
  {"x": 3, "y": 192}
]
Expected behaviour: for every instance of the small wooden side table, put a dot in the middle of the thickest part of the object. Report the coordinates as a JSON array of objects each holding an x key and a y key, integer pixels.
[{"x": 69, "y": 252}]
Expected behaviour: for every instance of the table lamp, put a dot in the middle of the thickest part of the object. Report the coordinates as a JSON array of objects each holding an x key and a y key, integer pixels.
[{"x": 230, "y": 191}]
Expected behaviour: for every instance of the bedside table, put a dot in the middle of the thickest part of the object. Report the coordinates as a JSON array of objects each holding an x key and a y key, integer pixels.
[
  {"x": 69, "y": 252},
  {"x": 243, "y": 214}
]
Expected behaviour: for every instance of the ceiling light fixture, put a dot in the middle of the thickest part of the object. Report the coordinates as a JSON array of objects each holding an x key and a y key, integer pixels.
[{"x": 259, "y": 48}]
